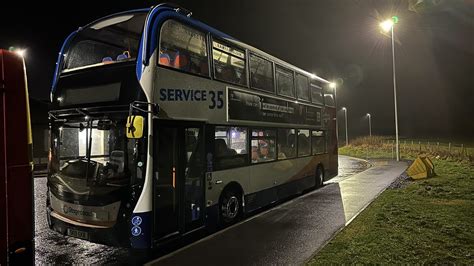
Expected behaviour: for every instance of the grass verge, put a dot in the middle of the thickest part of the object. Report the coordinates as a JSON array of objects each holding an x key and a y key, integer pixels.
[
  {"x": 381, "y": 147},
  {"x": 427, "y": 221}
]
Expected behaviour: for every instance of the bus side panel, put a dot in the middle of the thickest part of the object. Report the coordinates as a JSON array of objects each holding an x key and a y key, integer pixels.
[
  {"x": 19, "y": 182},
  {"x": 238, "y": 175}
]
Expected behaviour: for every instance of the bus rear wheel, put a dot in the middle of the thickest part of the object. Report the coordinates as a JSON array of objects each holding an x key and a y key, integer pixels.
[
  {"x": 230, "y": 207},
  {"x": 319, "y": 177}
]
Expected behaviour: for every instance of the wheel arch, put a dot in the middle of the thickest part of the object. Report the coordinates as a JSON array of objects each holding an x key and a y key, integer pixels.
[
  {"x": 320, "y": 165},
  {"x": 236, "y": 186}
]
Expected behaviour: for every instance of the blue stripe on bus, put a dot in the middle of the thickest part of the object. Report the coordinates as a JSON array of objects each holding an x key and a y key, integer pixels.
[
  {"x": 156, "y": 18},
  {"x": 139, "y": 61},
  {"x": 60, "y": 60}
]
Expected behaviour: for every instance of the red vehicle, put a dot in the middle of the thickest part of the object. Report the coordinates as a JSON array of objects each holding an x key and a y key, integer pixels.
[{"x": 16, "y": 182}]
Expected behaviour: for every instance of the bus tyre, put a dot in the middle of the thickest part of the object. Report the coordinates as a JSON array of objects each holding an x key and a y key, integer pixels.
[
  {"x": 230, "y": 207},
  {"x": 319, "y": 177}
]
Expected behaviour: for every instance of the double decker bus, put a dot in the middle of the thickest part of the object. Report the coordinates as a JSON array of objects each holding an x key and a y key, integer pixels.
[
  {"x": 162, "y": 125},
  {"x": 16, "y": 164}
]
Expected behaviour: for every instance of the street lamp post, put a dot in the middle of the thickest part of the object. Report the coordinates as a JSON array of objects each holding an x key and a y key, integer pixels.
[
  {"x": 370, "y": 124},
  {"x": 345, "y": 120},
  {"x": 386, "y": 26}
]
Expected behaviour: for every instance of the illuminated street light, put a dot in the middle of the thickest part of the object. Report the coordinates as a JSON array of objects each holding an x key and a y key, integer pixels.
[
  {"x": 370, "y": 124},
  {"x": 20, "y": 52},
  {"x": 386, "y": 26},
  {"x": 345, "y": 119}
]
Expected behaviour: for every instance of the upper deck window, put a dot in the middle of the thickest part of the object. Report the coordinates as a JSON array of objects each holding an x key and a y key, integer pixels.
[
  {"x": 302, "y": 87},
  {"x": 261, "y": 73},
  {"x": 316, "y": 94},
  {"x": 183, "y": 48},
  {"x": 285, "y": 81},
  {"x": 229, "y": 63},
  {"x": 108, "y": 41},
  {"x": 329, "y": 97}
]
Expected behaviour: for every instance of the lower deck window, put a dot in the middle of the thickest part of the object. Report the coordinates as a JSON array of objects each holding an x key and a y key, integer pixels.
[
  {"x": 263, "y": 145},
  {"x": 230, "y": 147},
  {"x": 304, "y": 142},
  {"x": 318, "y": 142},
  {"x": 286, "y": 143}
]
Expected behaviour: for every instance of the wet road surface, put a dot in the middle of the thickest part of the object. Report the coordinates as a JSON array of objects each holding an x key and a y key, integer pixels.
[
  {"x": 348, "y": 166},
  {"x": 52, "y": 247}
]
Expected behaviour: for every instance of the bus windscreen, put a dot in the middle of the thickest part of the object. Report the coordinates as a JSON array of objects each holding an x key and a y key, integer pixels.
[{"x": 108, "y": 41}]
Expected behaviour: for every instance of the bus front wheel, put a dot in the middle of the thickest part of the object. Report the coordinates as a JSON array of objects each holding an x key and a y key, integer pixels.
[{"x": 230, "y": 207}]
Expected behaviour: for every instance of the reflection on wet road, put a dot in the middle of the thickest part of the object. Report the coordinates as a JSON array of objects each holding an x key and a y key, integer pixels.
[
  {"x": 52, "y": 247},
  {"x": 349, "y": 166}
]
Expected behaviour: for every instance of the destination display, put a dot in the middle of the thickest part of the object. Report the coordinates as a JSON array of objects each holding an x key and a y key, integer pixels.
[{"x": 251, "y": 107}]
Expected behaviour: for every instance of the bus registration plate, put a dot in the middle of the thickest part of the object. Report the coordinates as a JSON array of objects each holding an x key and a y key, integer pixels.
[{"x": 78, "y": 234}]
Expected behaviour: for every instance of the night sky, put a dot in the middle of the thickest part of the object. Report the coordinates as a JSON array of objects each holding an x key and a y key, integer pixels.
[{"x": 336, "y": 39}]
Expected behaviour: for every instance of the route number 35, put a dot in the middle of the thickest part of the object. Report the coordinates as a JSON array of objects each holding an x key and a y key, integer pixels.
[{"x": 217, "y": 100}]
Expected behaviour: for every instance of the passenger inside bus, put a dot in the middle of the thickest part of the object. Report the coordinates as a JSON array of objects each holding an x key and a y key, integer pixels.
[
  {"x": 254, "y": 154},
  {"x": 222, "y": 150},
  {"x": 303, "y": 145},
  {"x": 226, "y": 157},
  {"x": 264, "y": 153}
]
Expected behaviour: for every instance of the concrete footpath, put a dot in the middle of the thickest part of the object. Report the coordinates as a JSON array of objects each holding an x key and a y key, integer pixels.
[{"x": 292, "y": 232}]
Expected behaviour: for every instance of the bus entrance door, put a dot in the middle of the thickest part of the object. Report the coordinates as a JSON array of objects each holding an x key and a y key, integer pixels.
[{"x": 179, "y": 179}]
